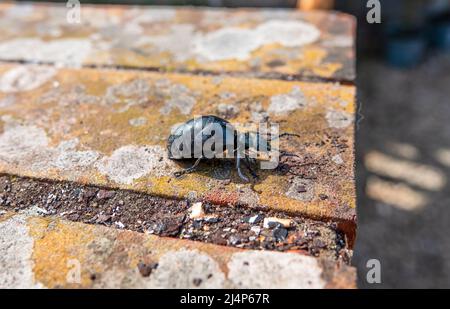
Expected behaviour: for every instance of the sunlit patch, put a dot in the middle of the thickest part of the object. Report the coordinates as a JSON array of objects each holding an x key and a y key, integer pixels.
[
  {"x": 406, "y": 151},
  {"x": 423, "y": 176},
  {"x": 396, "y": 194},
  {"x": 443, "y": 156}
]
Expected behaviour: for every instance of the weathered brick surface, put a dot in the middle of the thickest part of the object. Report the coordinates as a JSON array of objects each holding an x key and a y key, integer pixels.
[
  {"x": 252, "y": 42},
  {"x": 110, "y": 128},
  {"x": 52, "y": 253}
]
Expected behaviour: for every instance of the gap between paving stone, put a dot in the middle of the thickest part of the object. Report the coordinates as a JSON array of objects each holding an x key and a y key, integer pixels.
[
  {"x": 240, "y": 74},
  {"x": 140, "y": 212}
]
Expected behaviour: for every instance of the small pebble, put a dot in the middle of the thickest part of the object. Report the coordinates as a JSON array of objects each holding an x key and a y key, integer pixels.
[
  {"x": 234, "y": 240},
  {"x": 255, "y": 219},
  {"x": 119, "y": 224},
  {"x": 255, "y": 229},
  {"x": 197, "y": 281},
  {"x": 197, "y": 211},
  {"x": 323, "y": 196},
  {"x": 104, "y": 194},
  {"x": 211, "y": 219},
  {"x": 274, "y": 222},
  {"x": 280, "y": 233},
  {"x": 146, "y": 269}
]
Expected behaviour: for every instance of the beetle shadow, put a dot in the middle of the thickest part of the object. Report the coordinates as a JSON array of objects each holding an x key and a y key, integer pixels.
[{"x": 225, "y": 170}]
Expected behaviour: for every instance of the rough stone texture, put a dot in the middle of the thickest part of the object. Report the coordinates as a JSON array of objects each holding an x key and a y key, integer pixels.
[
  {"x": 90, "y": 140},
  {"x": 53, "y": 253},
  {"x": 198, "y": 221},
  {"x": 251, "y": 42},
  {"x": 77, "y": 129},
  {"x": 248, "y": 270},
  {"x": 16, "y": 247}
]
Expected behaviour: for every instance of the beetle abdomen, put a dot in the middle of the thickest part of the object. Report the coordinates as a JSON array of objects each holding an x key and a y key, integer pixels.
[{"x": 202, "y": 137}]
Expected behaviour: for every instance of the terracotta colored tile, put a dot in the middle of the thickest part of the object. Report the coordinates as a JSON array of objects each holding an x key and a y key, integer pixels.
[
  {"x": 52, "y": 253},
  {"x": 250, "y": 42},
  {"x": 110, "y": 128}
]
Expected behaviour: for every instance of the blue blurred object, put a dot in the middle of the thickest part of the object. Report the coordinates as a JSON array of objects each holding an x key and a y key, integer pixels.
[
  {"x": 439, "y": 31},
  {"x": 405, "y": 48}
]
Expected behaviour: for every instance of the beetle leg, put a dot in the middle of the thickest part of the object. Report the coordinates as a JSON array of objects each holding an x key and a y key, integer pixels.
[
  {"x": 288, "y": 134},
  {"x": 249, "y": 167},
  {"x": 288, "y": 154},
  {"x": 238, "y": 167},
  {"x": 188, "y": 170}
]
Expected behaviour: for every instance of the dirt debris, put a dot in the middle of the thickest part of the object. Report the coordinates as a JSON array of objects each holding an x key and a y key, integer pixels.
[{"x": 240, "y": 227}]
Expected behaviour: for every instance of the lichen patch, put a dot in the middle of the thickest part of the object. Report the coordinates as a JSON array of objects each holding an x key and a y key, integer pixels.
[
  {"x": 274, "y": 270},
  {"x": 283, "y": 104},
  {"x": 25, "y": 78},
  {"x": 130, "y": 162},
  {"x": 180, "y": 98},
  {"x": 131, "y": 93},
  {"x": 238, "y": 43},
  {"x": 301, "y": 189},
  {"x": 7, "y": 101},
  {"x": 339, "y": 119},
  {"x": 187, "y": 269},
  {"x": 69, "y": 158},
  {"x": 138, "y": 122},
  {"x": 70, "y": 52},
  {"x": 178, "y": 42},
  {"x": 19, "y": 141},
  {"x": 16, "y": 249},
  {"x": 227, "y": 43},
  {"x": 288, "y": 32},
  {"x": 28, "y": 146}
]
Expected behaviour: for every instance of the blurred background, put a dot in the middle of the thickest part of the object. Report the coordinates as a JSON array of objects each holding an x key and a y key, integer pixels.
[{"x": 403, "y": 135}]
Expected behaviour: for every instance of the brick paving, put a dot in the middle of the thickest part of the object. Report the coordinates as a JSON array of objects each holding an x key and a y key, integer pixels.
[
  {"x": 103, "y": 130},
  {"x": 55, "y": 253},
  {"x": 245, "y": 41}
]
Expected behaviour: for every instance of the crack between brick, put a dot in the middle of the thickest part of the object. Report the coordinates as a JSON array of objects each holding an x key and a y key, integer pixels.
[{"x": 239, "y": 74}]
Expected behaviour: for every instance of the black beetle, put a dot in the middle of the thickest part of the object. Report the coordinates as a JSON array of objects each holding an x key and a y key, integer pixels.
[
  {"x": 211, "y": 137},
  {"x": 189, "y": 141}
]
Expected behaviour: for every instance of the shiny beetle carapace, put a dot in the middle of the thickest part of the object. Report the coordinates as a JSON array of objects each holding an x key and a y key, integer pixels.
[{"x": 190, "y": 140}]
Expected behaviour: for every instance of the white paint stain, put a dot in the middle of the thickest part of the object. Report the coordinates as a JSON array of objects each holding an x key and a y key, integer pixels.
[
  {"x": 25, "y": 78},
  {"x": 274, "y": 270}
]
